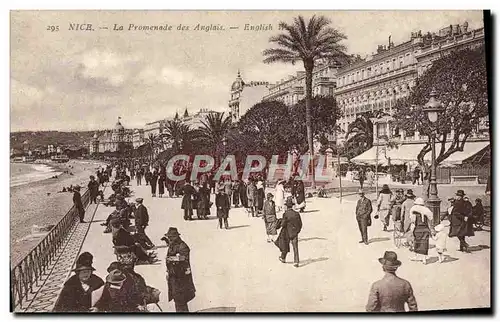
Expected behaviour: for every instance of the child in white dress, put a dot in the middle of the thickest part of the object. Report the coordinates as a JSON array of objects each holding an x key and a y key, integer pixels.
[{"x": 441, "y": 238}]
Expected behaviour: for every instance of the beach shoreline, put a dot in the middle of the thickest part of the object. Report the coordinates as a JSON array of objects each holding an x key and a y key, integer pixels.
[{"x": 42, "y": 203}]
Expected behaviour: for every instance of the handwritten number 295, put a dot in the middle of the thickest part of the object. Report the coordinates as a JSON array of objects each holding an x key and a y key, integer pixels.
[{"x": 53, "y": 28}]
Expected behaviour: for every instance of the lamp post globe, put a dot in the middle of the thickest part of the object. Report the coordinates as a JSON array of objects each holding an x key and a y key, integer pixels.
[{"x": 433, "y": 108}]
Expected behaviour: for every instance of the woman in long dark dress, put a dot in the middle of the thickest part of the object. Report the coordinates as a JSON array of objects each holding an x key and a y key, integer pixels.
[
  {"x": 161, "y": 184},
  {"x": 236, "y": 194},
  {"x": 421, "y": 218},
  {"x": 243, "y": 194},
  {"x": 153, "y": 180}
]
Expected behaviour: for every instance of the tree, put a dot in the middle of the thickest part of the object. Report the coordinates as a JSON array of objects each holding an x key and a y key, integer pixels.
[
  {"x": 359, "y": 135},
  {"x": 266, "y": 129},
  {"x": 214, "y": 130},
  {"x": 178, "y": 135},
  {"x": 152, "y": 142},
  {"x": 307, "y": 42},
  {"x": 324, "y": 116},
  {"x": 460, "y": 81}
]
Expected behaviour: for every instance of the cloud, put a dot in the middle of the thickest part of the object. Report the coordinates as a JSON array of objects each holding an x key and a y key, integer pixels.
[
  {"x": 23, "y": 96},
  {"x": 107, "y": 65}
]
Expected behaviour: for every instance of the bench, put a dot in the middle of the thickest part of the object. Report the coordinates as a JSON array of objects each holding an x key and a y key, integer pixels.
[{"x": 464, "y": 179}]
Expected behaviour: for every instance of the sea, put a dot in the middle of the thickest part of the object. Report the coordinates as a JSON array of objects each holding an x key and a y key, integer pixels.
[{"x": 24, "y": 173}]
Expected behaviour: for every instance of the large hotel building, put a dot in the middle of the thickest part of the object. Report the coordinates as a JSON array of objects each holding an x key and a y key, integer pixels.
[{"x": 377, "y": 82}]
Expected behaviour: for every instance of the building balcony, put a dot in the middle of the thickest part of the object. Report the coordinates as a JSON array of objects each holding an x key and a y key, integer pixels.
[
  {"x": 324, "y": 81},
  {"x": 450, "y": 42},
  {"x": 409, "y": 69}
]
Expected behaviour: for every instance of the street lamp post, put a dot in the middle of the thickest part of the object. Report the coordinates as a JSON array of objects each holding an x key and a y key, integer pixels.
[{"x": 433, "y": 108}]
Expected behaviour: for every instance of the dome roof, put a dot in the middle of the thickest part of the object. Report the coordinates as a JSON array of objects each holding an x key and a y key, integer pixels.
[
  {"x": 119, "y": 126},
  {"x": 238, "y": 83}
]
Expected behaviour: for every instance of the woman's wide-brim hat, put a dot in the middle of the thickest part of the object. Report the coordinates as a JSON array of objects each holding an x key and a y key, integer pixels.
[
  {"x": 270, "y": 195},
  {"x": 390, "y": 259},
  {"x": 116, "y": 276},
  {"x": 385, "y": 187},
  {"x": 83, "y": 267},
  {"x": 409, "y": 193},
  {"x": 419, "y": 201},
  {"x": 460, "y": 193},
  {"x": 172, "y": 232}
]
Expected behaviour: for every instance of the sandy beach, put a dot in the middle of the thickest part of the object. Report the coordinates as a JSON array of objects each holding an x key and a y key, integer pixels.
[{"x": 41, "y": 203}]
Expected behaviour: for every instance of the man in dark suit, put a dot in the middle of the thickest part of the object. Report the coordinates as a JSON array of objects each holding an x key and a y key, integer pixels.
[
  {"x": 391, "y": 292},
  {"x": 142, "y": 221},
  {"x": 77, "y": 202},
  {"x": 363, "y": 216},
  {"x": 93, "y": 189},
  {"x": 291, "y": 226},
  {"x": 461, "y": 221},
  {"x": 187, "y": 200}
]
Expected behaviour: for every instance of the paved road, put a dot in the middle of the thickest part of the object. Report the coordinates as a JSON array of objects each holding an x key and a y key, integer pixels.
[{"x": 237, "y": 268}]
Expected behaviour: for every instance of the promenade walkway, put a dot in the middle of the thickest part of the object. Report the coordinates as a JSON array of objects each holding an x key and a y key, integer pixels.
[{"x": 237, "y": 270}]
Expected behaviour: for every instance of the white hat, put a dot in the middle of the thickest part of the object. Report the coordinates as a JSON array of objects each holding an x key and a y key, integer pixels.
[{"x": 419, "y": 201}]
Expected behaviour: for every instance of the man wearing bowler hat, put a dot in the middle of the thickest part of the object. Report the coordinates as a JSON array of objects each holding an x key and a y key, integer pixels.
[
  {"x": 391, "y": 292},
  {"x": 291, "y": 224},
  {"x": 461, "y": 221},
  {"x": 363, "y": 216},
  {"x": 141, "y": 221},
  {"x": 178, "y": 271}
]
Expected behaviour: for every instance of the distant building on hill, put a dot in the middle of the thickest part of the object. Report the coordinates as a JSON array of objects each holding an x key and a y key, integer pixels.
[
  {"x": 116, "y": 140},
  {"x": 245, "y": 95}
]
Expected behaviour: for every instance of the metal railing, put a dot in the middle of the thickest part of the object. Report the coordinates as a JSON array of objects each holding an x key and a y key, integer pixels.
[{"x": 30, "y": 270}]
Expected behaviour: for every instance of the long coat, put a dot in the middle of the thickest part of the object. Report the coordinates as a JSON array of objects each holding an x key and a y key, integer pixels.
[
  {"x": 141, "y": 216},
  {"x": 203, "y": 201},
  {"x": 222, "y": 204},
  {"x": 458, "y": 226},
  {"x": 243, "y": 194},
  {"x": 279, "y": 197},
  {"x": 405, "y": 213},
  {"x": 364, "y": 209},
  {"x": 187, "y": 198},
  {"x": 152, "y": 180},
  {"x": 74, "y": 298},
  {"x": 161, "y": 184},
  {"x": 390, "y": 295},
  {"x": 300, "y": 194},
  {"x": 180, "y": 279},
  {"x": 77, "y": 201}
]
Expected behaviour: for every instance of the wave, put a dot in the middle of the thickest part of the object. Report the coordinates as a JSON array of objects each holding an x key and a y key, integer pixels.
[{"x": 39, "y": 172}]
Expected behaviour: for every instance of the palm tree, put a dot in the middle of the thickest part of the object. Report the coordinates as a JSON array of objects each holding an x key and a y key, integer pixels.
[
  {"x": 360, "y": 134},
  {"x": 214, "y": 131},
  {"x": 309, "y": 42},
  {"x": 178, "y": 134},
  {"x": 152, "y": 142}
]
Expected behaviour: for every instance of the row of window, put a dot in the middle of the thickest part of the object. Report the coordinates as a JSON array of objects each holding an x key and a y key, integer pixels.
[
  {"x": 401, "y": 90},
  {"x": 377, "y": 69}
]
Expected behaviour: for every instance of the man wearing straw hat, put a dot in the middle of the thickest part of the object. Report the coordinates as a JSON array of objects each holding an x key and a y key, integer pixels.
[{"x": 391, "y": 292}]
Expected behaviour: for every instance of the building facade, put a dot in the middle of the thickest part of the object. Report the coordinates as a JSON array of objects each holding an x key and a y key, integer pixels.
[
  {"x": 378, "y": 82},
  {"x": 112, "y": 140},
  {"x": 292, "y": 89},
  {"x": 245, "y": 95},
  {"x": 195, "y": 120}
]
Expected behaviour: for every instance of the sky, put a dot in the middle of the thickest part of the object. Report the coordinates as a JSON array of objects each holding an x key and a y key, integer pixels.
[{"x": 84, "y": 80}]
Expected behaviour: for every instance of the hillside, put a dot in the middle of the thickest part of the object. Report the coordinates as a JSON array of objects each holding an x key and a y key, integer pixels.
[{"x": 40, "y": 139}]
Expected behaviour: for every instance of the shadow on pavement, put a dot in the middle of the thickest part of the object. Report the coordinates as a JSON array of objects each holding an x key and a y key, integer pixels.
[
  {"x": 312, "y": 238},
  {"x": 241, "y": 226},
  {"x": 218, "y": 310},
  {"x": 378, "y": 239},
  {"x": 449, "y": 259},
  {"x": 478, "y": 248},
  {"x": 313, "y": 260},
  {"x": 308, "y": 211}
]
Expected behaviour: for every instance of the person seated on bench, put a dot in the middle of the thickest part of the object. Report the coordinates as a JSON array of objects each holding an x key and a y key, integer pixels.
[{"x": 124, "y": 242}]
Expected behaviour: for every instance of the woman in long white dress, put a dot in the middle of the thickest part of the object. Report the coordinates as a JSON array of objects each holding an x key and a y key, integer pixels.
[{"x": 279, "y": 195}]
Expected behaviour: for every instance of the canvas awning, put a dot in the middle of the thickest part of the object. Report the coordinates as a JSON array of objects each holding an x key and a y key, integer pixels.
[
  {"x": 369, "y": 157},
  {"x": 409, "y": 152}
]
